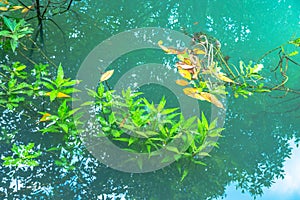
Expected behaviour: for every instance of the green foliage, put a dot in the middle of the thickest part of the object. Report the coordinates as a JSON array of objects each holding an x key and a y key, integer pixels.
[
  {"x": 15, "y": 30},
  {"x": 137, "y": 125},
  {"x": 60, "y": 87},
  {"x": 23, "y": 155},
  {"x": 14, "y": 85}
]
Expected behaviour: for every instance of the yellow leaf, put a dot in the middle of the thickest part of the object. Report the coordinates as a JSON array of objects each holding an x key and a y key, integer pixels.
[
  {"x": 62, "y": 95},
  {"x": 185, "y": 74},
  {"x": 168, "y": 50},
  {"x": 189, "y": 91},
  {"x": 293, "y": 53},
  {"x": 193, "y": 92},
  {"x": 106, "y": 75},
  {"x": 3, "y": 8},
  {"x": 59, "y": 95},
  {"x": 4, "y": 2},
  {"x": 45, "y": 117},
  {"x": 211, "y": 98},
  {"x": 198, "y": 51},
  {"x": 224, "y": 78},
  {"x": 17, "y": 7},
  {"x": 182, "y": 82},
  {"x": 25, "y": 10},
  {"x": 203, "y": 96}
]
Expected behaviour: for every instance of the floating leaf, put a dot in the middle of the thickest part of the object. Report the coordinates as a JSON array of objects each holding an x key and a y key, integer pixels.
[
  {"x": 197, "y": 96},
  {"x": 106, "y": 75},
  {"x": 3, "y": 8},
  {"x": 17, "y": 7},
  {"x": 182, "y": 65},
  {"x": 184, "y": 174},
  {"x": 62, "y": 95},
  {"x": 198, "y": 51},
  {"x": 25, "y": 10},
  {"x": 293, "y": 53},
  {"x": 182, "y": 82},
  {"x": 185, "y": 74},
  {"x": 189, "y": 91},
  {"x": 224, "y": 78},
  {"x": 58, "y": 95},
  {"x": 45, "y": 117},
  {"x": 183, "y": 56},
  {"x": 211, "y": 98},
  {"x": 296, "y": 42},
  {"x": 168, "y": 50}
]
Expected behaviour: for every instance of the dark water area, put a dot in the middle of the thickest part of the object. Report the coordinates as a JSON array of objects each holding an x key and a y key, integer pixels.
[{"x": 257, "y": 153}]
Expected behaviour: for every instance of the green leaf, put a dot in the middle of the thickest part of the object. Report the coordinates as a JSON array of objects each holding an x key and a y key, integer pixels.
[
  {"x": 141, "y": 133},
  {"x": 131, "y": 140},
  {"x": 9, "y": 23},
  {"x": 168, "y": 111},
  {"x": 106, "y": 129},
  {"x": 122, "y": 139},
  {"x": 62, "y": 109},
  {"x": 29, "y": 146},
  {"x": 64, "y": 127},
  {"x": 188, "y": 123},
  {"x": 60, "y": 75},
  {"x": 295, "y": 42},
  {"x": 71, "y": 83},
  {"x": 116, "y": 133},
  {"x": 173, "y": 149},
  {"x": 213, "y": 124},
  {"x": 20, "y": 67},
  {"x": 204, "y": 121},
  {"x": 161, "y": 104},
  {"x": 199, "y": 162},
  {"x": 5, "y": 33},
  {"x": 184, "y": 174},
  {"x": 111, "y": 118},
  {"x": 13, "y": 44},
  {"x": 204, "y": 154}
]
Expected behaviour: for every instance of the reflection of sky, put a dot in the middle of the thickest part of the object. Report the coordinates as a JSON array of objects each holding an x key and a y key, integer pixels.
[{"x": 286, "y": 189}]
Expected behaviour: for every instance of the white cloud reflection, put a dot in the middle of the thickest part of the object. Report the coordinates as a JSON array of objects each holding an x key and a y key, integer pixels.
[{"x": 287, "y": 188}]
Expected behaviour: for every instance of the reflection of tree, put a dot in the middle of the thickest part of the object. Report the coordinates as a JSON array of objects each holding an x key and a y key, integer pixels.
[{"x": 251, "y": 153}]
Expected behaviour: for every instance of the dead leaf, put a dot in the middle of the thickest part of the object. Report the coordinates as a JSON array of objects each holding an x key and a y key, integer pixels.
[
  {"x": 59, "y": 95},
  {"x": 224, "y": 78},
  {"x": 198, "y": 51},
  {"x": 62, "y": 95},
  {"x": 185, "y": 74},
  {"x": 189, "y": 91},
  {"x": 212, "y": 98},
  {"x": 45, "y": 117},
  {"x": 106, "y": 75},
  {"x": 182, "y": 82},
  {"x": 17, "y": 7},
  {"x": 167, "y": 49},
  {"x": 3, "y": 8},
  {"x": 183, "y": 65},
  {"x": 203, "y": 96},
  {"x": 25, "y": 10},
  {"x": 4, "y": 2}
]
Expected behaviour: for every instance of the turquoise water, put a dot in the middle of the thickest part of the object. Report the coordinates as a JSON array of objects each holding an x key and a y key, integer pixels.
[{"x": 257, "y": 148}]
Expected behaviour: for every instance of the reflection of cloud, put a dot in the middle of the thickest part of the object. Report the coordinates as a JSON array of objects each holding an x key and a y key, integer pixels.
[
  {"x": 290, "y": 185},
  {"x": 287, "y": 188}
]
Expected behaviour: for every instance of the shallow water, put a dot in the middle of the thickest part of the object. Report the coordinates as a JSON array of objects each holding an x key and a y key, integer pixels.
[{"x": 258, "y": 140}]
